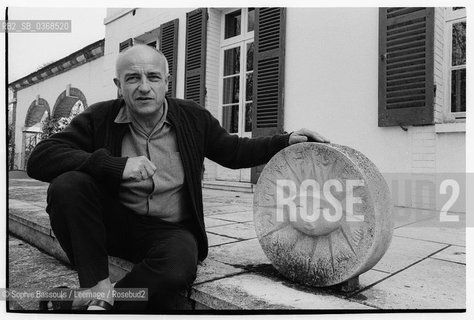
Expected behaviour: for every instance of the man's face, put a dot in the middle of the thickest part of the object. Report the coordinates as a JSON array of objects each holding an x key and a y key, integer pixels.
[{"x": 143, "y": 81}]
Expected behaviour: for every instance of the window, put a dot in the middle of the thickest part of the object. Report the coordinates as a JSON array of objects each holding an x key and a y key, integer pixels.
[
  {"x": 149, "y": 38},
  {"x": 237, "y": 51},
  {"x": 152, "y": 44},
  {"x": 456, "y": 60}
]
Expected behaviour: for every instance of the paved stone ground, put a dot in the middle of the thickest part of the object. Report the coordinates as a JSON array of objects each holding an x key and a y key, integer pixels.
[
  {"x": 31, "y": 268},
  {"x": 424, "y": 267}
]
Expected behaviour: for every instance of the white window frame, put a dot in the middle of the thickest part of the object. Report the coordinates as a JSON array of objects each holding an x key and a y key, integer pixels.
[
  {"x": 451, "y": 17},
  {"x": 241, "y": 41},
  {"x": 149, "y": 37}
]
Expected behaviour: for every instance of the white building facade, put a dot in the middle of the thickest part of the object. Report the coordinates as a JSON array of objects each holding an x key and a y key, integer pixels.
[{"x": 389, "y": 82}]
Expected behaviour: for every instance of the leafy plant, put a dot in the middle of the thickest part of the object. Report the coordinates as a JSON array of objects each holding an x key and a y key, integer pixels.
[
  {"x": 53, "y": 125},
  {"x": 11, "y": 146}
]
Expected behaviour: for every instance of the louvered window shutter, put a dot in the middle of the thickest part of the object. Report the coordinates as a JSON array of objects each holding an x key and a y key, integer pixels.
[
  {"x": 169, "y": 47},
  {"x": 195, "y": 65},
  {"x": 269, "y": 67},
  {"x": 124, "y": 45},
  {"x": 406, "y": 81}
]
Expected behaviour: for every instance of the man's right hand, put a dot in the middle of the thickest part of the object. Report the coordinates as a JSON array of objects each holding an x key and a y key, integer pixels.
[{"x": 138, "y": 169}]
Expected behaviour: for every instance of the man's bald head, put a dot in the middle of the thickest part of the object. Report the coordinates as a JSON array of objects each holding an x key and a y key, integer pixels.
[
  {"x": 142, "y": 80},
  {"x": 141, "y": 53}
]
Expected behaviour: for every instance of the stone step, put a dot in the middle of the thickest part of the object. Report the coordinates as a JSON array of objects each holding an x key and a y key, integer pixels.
[
  {"x": 31, "y": 224},
  {"x": 246, "y": 187}
]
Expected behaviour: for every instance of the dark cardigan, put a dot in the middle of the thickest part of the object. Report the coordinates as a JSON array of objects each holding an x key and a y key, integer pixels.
[{"x": 92, "y": 144}]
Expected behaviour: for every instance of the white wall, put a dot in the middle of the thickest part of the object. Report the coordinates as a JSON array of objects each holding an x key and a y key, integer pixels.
[
  {"x": 83, "y": 77},
  {"x": 331, "y": 86},
  {"x": 132, "y": 26},
  {"x": 331, "y": 82}
]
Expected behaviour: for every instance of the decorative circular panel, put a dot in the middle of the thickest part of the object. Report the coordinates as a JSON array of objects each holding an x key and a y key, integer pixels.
[{"x": 322, "y": 213}]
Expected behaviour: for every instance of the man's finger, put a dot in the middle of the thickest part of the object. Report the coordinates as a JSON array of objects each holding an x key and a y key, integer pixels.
[
  {"x": 314, "y": 136},
  {"x": 150, "y": 169},
  {"x": 319, "y": 138},
  {"x": 152, "y": 166},
  {"x": 301, "y": 139},
  {"x": 148, "y": 164},
  {"x": 295, "y": 138}
]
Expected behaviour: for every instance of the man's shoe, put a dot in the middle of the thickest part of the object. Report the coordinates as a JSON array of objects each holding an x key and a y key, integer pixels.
[
  {"x": 66, "y": 298},
  {"x": 101, "y": 303}
]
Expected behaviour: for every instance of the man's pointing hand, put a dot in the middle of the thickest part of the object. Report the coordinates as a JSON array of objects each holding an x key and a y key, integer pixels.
[{"x": 138, "y": 168}]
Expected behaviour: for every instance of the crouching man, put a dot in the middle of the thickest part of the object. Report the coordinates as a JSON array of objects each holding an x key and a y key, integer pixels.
[{"x": 126, "y": 181}]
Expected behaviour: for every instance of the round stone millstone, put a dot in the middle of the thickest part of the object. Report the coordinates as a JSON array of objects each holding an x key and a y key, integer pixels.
[{"x": 322, "y": 213}]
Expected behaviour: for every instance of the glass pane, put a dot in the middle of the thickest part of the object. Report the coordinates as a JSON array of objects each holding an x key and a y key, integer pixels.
[
  {"x": 232, "y": 61},
  {"x": 232, "y": 24},
  {"x": 248, "y": 117},
  {"x": 250, "y": 48},
  {"x": 231, "y": 90},
  {"x": 458, "y": 90},
  {"x": 251, "y": 19},
  {"x": 230, "y": 118},
  {"x": 249, "y": 87},
  {"x": 459, "y": 43}
]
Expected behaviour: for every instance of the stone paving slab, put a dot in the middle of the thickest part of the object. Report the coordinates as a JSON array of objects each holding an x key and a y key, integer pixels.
[
  {"x": 407, "y": 216},
  {"x": 30, "y": 268},
  {"x": 369, "y": 278},
  {"x": 230, "y": 198},
  {"x": 430, "y": 284},
  {"x": 453, "y": 254},
  {"x": 256, "y": 292},
  {"x": 446, "y": 235},
  {"x": 242, "y": 253},
  {"x": 25, "y": 205},
  {"x": 245, "y": 216},
  {"x": 211, "y": 222},
  {"x": 242, "y": 231},
  {"x": 29, "y": 187},
  {"x": 12, "y": 182},
  {"x": 210, "y": 203},
  {"x": 217, "y": 240},
  {"x": 36, "y": 195},
  {"x": 30, "y": 214},
  {"x": 404, "y": 252},
  {"x": 211, "y": 270},
  {"x": 229, "y": 208}
]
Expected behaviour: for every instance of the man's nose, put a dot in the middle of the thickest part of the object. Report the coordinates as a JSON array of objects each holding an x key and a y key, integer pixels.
[{"x": 144, "y": 85}]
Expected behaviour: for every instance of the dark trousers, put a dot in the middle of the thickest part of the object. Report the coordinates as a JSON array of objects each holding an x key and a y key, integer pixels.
[{"x": 90, "y": 225}]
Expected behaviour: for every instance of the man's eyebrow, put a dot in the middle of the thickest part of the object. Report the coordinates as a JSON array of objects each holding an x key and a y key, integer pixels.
[
  {"x": 154, "y": 73},
  {"x": 127, "y": 74}
]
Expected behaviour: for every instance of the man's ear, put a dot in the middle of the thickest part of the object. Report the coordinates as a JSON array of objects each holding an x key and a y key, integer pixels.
[
  {"x": 167, "y": 80},
  {"x": 117, "y": 83}
]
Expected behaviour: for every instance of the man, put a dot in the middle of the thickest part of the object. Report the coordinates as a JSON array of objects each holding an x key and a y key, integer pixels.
[{"x": 126, "y": 181}]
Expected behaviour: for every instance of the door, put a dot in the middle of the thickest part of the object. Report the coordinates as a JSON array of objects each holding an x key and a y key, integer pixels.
[{"x": 236, "y": 81}]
